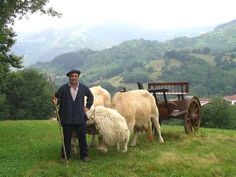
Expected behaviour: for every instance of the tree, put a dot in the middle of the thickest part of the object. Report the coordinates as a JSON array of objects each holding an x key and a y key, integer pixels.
[
  {"x": 3, "y": 107},
  {"x": 9, "y": 11},
  {"x": 135, "y": 76},
  {"x": 179, "y": 55},
  {"x": 232, "y": 113},
  {"x": 27, "y": 95},
  {"x": 206, "y": 50}
]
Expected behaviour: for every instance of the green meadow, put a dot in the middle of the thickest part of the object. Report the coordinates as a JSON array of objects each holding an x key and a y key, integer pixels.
[{"x": 32, "y": 148}]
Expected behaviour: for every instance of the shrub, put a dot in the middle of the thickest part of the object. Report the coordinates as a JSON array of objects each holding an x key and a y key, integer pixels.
[{"x": 217, "y": 114}]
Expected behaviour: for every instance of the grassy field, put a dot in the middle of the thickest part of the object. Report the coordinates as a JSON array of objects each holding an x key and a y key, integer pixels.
[
  {"x": 208, "y": 58},
  {"x": 31, "y": 148}
]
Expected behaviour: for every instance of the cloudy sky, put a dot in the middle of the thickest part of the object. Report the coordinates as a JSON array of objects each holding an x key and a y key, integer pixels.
[{"x": 153, "y": 14}]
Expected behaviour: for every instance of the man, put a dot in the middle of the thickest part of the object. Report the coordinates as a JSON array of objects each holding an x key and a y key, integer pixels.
[{"x": 70, "y": 97}]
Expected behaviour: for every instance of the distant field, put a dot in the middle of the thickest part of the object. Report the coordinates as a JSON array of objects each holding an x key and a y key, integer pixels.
[
  {"x": 157, "y": 67},
  {"x": 156, "y": 64},
  {"x": 31, "y": 148},
  {"x": 174, "y": 62},
  {"x": 208, "y": 58}
]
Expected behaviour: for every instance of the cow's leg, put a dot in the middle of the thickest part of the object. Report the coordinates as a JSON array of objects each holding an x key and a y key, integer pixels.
[
  {"x": 134, "y": 140},
  {"x": 155, "y": 121},
  {"x": 126, "y": 141},
  {"x": 93, "y": 142},
  {"x": 118, "y": 146},
  {"x": 125, "y": 145},
  {"x": 149, "y": 131},
  {"x": 131, "y": 128},
  {"x": 74, "y": 143}
]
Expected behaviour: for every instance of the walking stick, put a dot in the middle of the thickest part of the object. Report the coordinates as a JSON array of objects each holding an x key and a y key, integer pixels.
[{"x": 59, "y": 120}]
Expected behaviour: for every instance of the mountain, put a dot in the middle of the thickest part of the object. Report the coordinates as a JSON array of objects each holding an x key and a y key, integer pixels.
[
  {"x": 46, "y": 45},
  {"x": 226, "y": 25},
  {"x": 207, "y": 61}
]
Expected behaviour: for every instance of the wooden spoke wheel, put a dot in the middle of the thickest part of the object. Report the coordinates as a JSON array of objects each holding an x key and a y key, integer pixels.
[{"x": 192, "y": 117}]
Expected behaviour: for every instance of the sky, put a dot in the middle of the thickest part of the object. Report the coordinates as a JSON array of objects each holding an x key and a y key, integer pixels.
[{"x": 150, "y": 14}]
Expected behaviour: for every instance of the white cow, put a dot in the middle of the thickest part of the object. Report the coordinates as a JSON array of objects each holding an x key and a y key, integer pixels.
[
  {"x": 139, "y": 109},
  {"x": 112, "y": 127},
  {"x": 101, "y": 97}
]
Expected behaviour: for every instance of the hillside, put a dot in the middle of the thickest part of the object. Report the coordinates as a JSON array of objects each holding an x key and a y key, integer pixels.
[
  {"x": 198, "y": 60},
  {"x": 44, "y": 46},
  {"x": 32, "y": 148},
  {"x": 221, "y": 39}
]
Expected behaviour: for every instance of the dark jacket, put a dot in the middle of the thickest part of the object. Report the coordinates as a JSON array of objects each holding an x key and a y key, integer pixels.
[{"x": 70, "y": 111}]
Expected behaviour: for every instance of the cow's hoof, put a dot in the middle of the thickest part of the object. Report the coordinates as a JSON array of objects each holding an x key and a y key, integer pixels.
[
  {"x": 103, "y": 150},
  {"x": 132, "y": 145},
  {"x": 124, "y": 150},
  {"x": 92, "y": 145},
  {"x": 161, "y": 140}
]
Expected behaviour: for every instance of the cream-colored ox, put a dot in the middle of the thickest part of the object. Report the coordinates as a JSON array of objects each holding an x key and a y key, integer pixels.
[
  {"x": 139, "y": 109},
  {"x": 101, "y": 97},
  {"x": 112, "y": 127}
]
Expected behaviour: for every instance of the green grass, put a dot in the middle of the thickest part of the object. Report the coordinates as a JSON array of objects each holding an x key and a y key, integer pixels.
[{"x": 32, "y": 148}]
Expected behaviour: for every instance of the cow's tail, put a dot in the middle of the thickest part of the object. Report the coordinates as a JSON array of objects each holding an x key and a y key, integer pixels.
[{"x": 149, "y": 131}]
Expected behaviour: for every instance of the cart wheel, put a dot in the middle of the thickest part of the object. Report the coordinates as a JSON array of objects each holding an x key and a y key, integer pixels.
[{"x": 192, "y": 116}]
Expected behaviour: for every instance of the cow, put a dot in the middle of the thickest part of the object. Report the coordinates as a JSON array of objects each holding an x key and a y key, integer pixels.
[
  {"x": 112, "y": 128},
  {"x": 101, "y": 97},
  {"x": 139, "y": 109}
]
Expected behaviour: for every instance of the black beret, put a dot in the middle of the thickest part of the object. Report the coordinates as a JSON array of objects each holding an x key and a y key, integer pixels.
[{"x": 73, "y": 71}]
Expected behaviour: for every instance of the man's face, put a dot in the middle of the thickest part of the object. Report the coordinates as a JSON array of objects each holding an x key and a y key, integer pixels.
[{"x": 74, "y": 77}]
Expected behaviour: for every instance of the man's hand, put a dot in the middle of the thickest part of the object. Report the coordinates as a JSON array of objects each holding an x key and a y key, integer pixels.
[
  {"x": 86, "y": 109},
  {"x": 54, "y": 100}
]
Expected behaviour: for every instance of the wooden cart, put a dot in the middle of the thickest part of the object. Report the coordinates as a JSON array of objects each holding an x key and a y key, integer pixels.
[{"x": 173, "y": 102}]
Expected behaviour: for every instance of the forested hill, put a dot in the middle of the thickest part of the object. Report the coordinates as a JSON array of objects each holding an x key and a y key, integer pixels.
[
  {"x": 208, "y": 62},
  {"x": 221, "y": 39}
]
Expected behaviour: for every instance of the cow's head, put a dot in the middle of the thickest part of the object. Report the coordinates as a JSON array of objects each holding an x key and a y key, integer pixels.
[{"x": 91, "y": 115}]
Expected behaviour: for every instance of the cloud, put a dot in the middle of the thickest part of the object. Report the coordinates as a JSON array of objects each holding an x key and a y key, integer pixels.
[{"x": 155, "y": 14}]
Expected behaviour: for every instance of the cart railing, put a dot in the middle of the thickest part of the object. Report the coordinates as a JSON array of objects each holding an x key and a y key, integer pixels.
[{"x": 170, "y": 88}]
